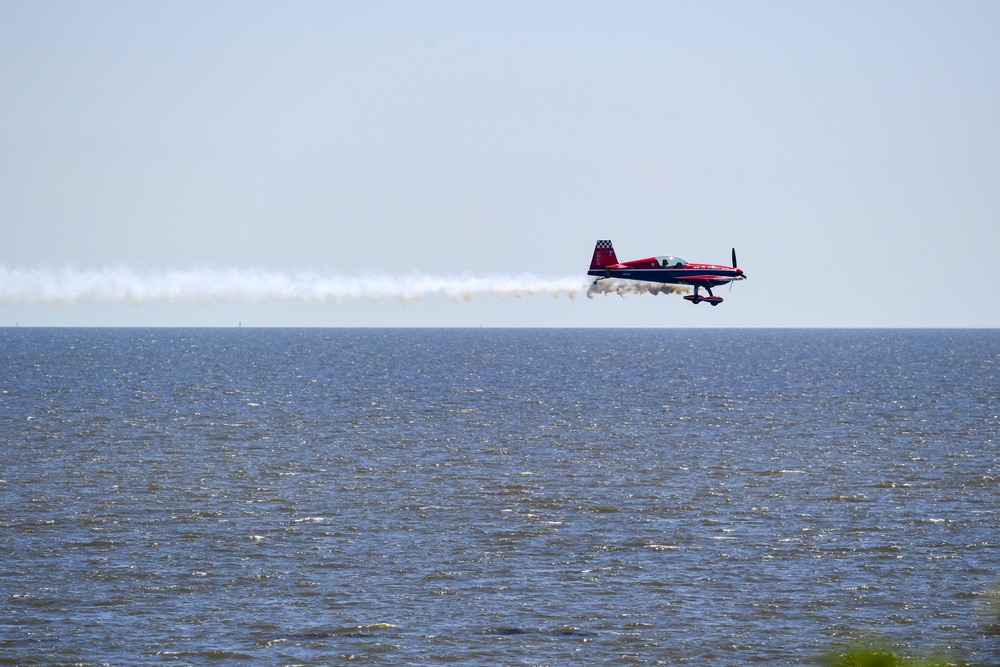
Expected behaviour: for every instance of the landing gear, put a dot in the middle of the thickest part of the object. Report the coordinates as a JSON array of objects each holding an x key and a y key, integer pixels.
[{"x": 697, "y": 298}]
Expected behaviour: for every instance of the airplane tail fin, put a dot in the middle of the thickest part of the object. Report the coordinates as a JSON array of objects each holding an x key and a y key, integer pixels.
[{"x": 604, "y": 255}]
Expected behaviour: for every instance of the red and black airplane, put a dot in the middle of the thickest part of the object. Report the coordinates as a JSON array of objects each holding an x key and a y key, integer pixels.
[{"x": 665, "y": 269}]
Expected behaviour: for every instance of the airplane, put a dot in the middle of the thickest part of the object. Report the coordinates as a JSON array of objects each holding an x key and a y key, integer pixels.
[{"x": 665, "y": 269}]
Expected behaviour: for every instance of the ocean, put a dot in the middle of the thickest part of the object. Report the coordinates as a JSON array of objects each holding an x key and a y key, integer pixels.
[{"x": 497, "y": 496}]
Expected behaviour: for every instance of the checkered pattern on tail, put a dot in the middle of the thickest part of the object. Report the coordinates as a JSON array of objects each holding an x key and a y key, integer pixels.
[{"x": 604, "y": 255}]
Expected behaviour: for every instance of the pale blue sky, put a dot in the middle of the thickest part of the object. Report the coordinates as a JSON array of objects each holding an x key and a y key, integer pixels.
[{"x": 849, "y": 150}]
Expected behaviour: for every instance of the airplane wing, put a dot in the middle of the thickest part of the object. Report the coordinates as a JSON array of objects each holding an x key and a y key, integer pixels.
[{"x": 715, "y": 279}]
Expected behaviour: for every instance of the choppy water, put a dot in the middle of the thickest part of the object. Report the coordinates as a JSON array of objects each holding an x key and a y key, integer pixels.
[{"x": 516, "y": 497}]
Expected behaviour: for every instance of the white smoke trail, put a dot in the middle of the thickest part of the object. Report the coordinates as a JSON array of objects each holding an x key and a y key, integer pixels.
[
  {"x": 71, "y": 285},
  {"x": 623, "y": 287}
]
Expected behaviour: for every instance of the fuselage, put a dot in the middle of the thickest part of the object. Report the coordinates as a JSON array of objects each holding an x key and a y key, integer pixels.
[{"x": 670, "y": 270}]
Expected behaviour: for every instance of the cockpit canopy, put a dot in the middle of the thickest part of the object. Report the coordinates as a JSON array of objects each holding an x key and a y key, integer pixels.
[{"x": 668, "y": 261}]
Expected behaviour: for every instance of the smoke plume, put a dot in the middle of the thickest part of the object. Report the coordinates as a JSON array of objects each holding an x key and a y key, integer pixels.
[{"x": 71, "y": 285}]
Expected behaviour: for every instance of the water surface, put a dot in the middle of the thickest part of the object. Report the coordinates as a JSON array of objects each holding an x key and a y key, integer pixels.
[{"x": 517, "y": 497}]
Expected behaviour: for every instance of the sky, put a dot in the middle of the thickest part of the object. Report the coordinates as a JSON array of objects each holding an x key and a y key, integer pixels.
[{"x": 849, "y": 151}]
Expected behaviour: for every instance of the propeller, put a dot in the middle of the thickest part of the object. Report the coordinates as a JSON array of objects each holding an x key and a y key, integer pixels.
[{"x": 742, "y": 275}]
